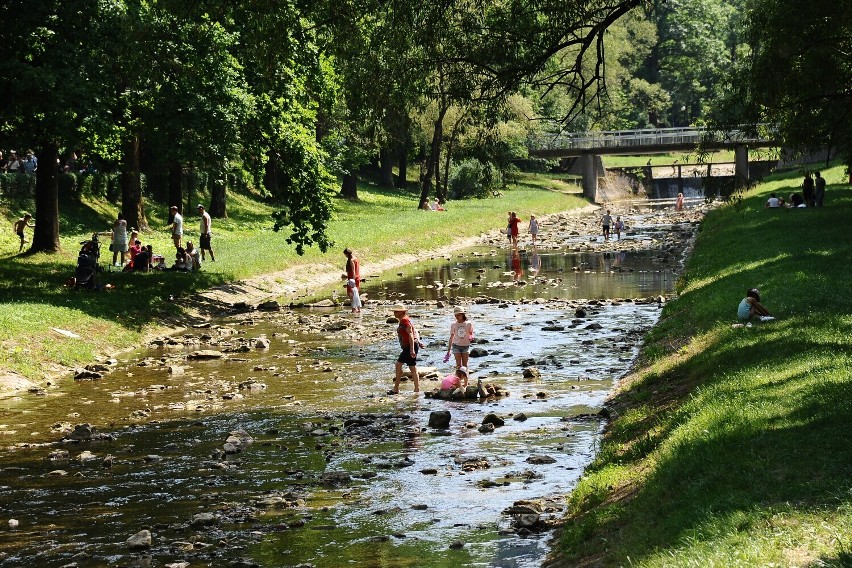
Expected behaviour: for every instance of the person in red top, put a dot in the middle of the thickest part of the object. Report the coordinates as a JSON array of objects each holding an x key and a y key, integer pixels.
[
  {"x": 409, "y": 342},
  {"x": 353, "y": 270},
  {"x": 514, "y": 221}
]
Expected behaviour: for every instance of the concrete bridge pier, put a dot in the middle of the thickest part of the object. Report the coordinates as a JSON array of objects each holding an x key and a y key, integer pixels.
[
  {"x": 741, "y": 165},
  {"x": 590, "y": 176}
]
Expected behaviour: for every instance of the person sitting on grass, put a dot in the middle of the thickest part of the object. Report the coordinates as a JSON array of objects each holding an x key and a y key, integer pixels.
[
  {"x": 182, "y": 264},
  {"x": 774, "y": 202},
  {"x": 142, "y": 261},
  {"x": 750, "y": 307},
  {"x": 193, "y": 259}
]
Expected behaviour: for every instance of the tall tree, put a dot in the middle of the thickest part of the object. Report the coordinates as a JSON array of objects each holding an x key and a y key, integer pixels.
[
  {"x": 796, "y": 74},
  {"x": 49, "y": 68}
]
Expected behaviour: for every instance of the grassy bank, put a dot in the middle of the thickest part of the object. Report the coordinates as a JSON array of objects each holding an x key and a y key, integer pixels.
[
  {"x": 731, "y": 446},
  {"x": 382, "y": 223}
]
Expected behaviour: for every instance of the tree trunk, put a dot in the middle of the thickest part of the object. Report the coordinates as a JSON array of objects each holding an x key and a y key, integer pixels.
[
  {"x": 403, "y": 164},
  {"x": 131, "y": 186},
  {"x": 175, "y": 186},
  {"x": 386, "y": 172},
  {"x": 433, "y": 160},
  {"x": 217, "y": 196},
  {"x": 349, "y": 188},
  {"x": 46, "y": 232},
  {"x": 270, "y": 173}
]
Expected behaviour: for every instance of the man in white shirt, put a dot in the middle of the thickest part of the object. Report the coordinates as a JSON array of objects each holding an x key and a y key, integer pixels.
[
  {"x": 204, "y": 241},
  {"x": 177, "y": 226},
  {"x": 773, "y": 202}
]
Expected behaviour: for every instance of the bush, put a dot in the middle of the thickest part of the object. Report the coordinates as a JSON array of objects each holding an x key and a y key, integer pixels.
[
  {"x": 472, "y": 178},
  {"x": 17, "y": 185}
]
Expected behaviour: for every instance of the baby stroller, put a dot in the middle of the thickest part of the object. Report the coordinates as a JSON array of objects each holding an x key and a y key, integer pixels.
[{"x": 87, "y": 264}]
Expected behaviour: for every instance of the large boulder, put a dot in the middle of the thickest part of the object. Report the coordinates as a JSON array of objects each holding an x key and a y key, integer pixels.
[{"x": 439, "y": 419}]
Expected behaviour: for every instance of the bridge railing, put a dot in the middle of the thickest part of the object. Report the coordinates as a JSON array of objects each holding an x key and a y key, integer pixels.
[{"x": 641, "y": 137}]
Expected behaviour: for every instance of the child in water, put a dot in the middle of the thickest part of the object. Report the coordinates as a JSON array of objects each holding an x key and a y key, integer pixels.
[
  {"x": 354, "y": 295},
  {"x": 457, "y": 380}
]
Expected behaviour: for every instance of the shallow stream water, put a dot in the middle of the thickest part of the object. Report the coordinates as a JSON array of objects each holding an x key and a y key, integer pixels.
[{"x": 297, "y": 453}]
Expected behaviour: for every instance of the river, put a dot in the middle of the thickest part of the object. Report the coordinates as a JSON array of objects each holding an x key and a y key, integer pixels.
[{"x": 293, "y": 455}]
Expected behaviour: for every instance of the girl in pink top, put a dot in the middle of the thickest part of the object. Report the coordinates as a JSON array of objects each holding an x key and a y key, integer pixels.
[
  {"x": 461, "y": 334},
  {"x": 457, "y": 380}
]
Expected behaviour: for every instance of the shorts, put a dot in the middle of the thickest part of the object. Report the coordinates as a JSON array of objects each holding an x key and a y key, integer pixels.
[
  {"x": 204, "y": 241},
  {"x": 459, "y": 349},
  {"x": 20, "y": 234},
  {"x": 405, "y": 356}
]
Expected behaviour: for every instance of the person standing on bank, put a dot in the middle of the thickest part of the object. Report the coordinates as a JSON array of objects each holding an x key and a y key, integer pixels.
[
  {"x": 204, "y": 229},
  {"x": 461, "y": 334},
  {"x": 409, "y": 343},
  {"x": 119, "y": 240},
  {"x": 808, "y": 190},
  {"x": 819, "y": 190},
  {"x": 353, "y": 270},
  {"x": 177, "y": 226}
]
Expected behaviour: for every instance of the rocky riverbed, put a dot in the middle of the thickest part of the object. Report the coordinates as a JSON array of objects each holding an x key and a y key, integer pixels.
[{"x": 264, "y": 436}]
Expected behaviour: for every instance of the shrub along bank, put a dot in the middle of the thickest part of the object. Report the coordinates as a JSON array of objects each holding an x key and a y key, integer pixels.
[
  {"x": 731, "y": 445},
  {"x": 381, "y": 224}
]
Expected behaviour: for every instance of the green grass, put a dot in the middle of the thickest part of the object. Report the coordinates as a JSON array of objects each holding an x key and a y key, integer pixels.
[
  {"x": 732, "y": 445},
  {"x": 380, "y": 224}
]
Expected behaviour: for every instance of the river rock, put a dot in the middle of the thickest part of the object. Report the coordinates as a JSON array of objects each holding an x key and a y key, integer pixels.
[
  {"x": 203, "y": 520},
  {"x": 140, "y": 541},
  {"x": 58, "y": 473},
  {"x": 335, "y": 478},
  {"x": 58, "y": 455},
  {"x": 520, "y": 417},
  {"x": 486, "y": 428},
  {"x": 532, "y": 373},
  {"x": 13, "y": 523},
  {"x": 478, "y": 352},
  {"x": 269, "y": 306},
  {"x": 176, "y": 371},
  {"x": 204, "y": 354},
  {"x": 86, "y": 456},
  {"x": 84, "y": 375},
  {"x": 540, "y": 459},
  {"x": 178, "y": 565},
  {"x": 493, "y": 419},
  {"x": 553, "y": 328},
  {"x": 97, "y": 368},
  {"x": 579, "y": 313},
  {"x": 82, "y": 432},
  {"x": 594, "y": 326},
  {"x": 439, "y": 419},
  {"x": 261, "y": 343}
]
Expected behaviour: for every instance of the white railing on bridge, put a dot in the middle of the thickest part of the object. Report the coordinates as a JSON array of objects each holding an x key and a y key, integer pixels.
[{"x": 643, "y": 137}]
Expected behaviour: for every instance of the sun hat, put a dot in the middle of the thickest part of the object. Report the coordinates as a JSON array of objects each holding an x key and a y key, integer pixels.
[
  {"x": 458, "y": 310},
  {"x": 199, "y": 206},
  {"x": 398, "y": 308},
  {"x": 463, "y": 369}
]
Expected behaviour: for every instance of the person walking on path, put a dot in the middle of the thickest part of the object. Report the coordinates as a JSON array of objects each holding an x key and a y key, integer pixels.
[
  {"x": 177, "y": 226},
  {"x": 819, "y": 190},
  {"x": 118, "y": 244},
  {"x": 533, "y": 228},
  {"x": 204, "y": 229},
  {"x": 461, "y": 334},
  {"x": 605, "y": 222},
  {"x": 22, "y": 224},
  {"x": 353, "y": 270},
  {"x": 808, "y": 190},
  {"x": 409, "y": 343}
]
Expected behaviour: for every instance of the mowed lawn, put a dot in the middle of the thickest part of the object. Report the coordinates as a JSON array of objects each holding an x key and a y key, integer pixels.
[
  {"x": 732, "y": 445},
  {"x": 380, "y": 224}
]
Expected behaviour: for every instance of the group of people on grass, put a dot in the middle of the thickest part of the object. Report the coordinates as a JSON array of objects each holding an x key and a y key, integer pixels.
[
  {"x": 813, "y": 195},
  {"x": 142, "y": 258}
]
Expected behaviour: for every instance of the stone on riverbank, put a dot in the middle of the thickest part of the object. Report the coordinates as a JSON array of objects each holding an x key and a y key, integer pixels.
[
  {"x": 206, "y": 354},
  {"x": 439, "y": 419},
  {"x": 140, "y": 541}
]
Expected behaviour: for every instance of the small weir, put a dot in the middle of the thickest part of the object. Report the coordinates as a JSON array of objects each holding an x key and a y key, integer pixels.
[{"x": 293, "y": 455}]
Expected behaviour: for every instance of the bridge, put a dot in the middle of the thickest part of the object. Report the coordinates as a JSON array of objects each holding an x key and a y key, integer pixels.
[{"x": 589, "y": 145}]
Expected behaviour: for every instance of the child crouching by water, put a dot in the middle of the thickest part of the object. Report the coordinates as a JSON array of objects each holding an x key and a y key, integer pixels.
[
  {"x": 352, "y": 292},
  {"x": 457, "y": 380}
]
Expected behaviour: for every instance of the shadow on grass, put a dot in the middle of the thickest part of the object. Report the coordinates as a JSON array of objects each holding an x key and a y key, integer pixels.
[{"x": 136, "y": 299}]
